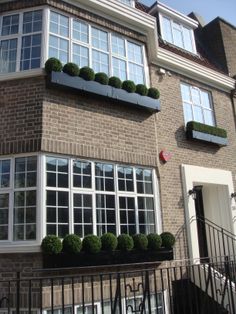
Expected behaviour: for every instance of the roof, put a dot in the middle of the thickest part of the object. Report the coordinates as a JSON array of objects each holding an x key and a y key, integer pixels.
[{"x": 142, "y": 7}]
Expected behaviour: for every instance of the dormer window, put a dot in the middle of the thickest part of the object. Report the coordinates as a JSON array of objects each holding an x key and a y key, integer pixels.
[
  {"x": 177, "y": 33},
  {"x": 127, "y": 2}
]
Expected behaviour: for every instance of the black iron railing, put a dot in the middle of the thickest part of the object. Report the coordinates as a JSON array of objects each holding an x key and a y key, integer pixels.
[{"x": 185, "y": 289}]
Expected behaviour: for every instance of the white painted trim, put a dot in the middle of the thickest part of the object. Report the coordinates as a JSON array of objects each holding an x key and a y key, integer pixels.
[
  {"x": 194, "y": 70},
  {"x": 21, "y": 75},
  {"x": 25, "y": 248},
  {"x": 162, "y": 8},
  {"x": 194, "y": 175}
]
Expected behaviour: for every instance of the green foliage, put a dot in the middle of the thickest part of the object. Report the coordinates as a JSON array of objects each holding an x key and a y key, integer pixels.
[
  {"x": 109, "y": 242},
  {"x": 115, "y": 82},
  {"x": 71, "y": 68},
  {"x": 125, "y": 242},
  {"x": 91, "y": 244},
  {"x": 168, "y": 240},
  {"x": 51, "y": 244},
  {"x": 140, "y": 242},
  {"x": 87, "y": 73},
  {"x": 129, "y": 86},
  {"x": 204, "y": 128},
  {"x": 153, "y": 93},
  {"x": 154, "y": 241},
  {"x": 141, "y": 89},
  {"x": 53, "y": 64},
  {"x": 101, "y": 78},
  {"x": 72, "y": 244}
]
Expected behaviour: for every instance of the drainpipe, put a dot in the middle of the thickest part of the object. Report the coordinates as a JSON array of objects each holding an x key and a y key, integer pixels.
[{"x": 233, "y": 101}]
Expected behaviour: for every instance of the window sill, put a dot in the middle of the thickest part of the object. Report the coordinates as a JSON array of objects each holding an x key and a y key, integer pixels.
[
  {"x": 63, "y": 81},
  {"x": 21, "y": 75},
  {"x": 204, "y": 137},
  {"x": 106, "y": 258},
  {"x": 20, "y": 247}
]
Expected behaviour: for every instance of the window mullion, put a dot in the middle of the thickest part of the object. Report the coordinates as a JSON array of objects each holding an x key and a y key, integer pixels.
[
  {"x": 71, "y": 197},
  {"x": 136, "y": 202},
  {"x": 94, "y": 210},
  {"x": 117, "y": 206}
]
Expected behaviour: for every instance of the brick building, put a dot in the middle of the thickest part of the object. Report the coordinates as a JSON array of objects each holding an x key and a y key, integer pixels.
[{"x": 75, "y": 162}]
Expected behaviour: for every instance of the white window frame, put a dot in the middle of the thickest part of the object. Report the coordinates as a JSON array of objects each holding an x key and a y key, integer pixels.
[
  {"x": 11, "y": 190},
  {"x": 181, "y": 25},
  {"x": 20, "y": 35},
  {"x": 73, "y": 190},
  {"x": 191, "y": 87}
]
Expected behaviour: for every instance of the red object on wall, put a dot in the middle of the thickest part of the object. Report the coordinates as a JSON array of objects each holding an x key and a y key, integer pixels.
[{"x": 165, "y": 156}]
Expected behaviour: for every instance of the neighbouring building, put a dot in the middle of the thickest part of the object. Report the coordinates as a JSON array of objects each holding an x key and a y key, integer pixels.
[{"x": 79, "y": 159}]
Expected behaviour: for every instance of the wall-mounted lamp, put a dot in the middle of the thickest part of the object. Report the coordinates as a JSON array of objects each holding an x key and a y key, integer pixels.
[
  {"x": 194, "y": 191},
  {"x": 233, "y": 195}
]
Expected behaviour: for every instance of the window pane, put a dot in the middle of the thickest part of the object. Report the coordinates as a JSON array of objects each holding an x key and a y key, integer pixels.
[
  {"x": 5, "y": 173},
  {"x": 197, "y": 113},
  {"x": 135, "y": 53},
  {"x": 80, "y": 55},
  {"x": 146, "y": 215},
  {"x": 119, "y": 68},
  {"x": 188, "y": 114},
  {"x": 80, "y": 31},
  {"x": 26, "y": 172},
  {"x": 4, "y": 210},
  {"x": 58, "y": 48},
  {"x": 118, "y": 45},
  {"x": 10, "y": 24},
  {"x": 82, "y": 174},
  {"x": 104, "y": 177},
  {"x": 205, "y": 98},
  {"x": 209, "y": 117},
  {"x": 125, "y": 179},
  {"x": 83, "y": 217},
  {"x": 136, "y": 73},
  {"x": 105, "y": 208},
  {"x": 144, "y": 181},
  {"x": 8, "y": 52},
  {"x": 177, "y": 35},
  {"x": 57, "y": 172},
  {"x": 30, "y": 52},
  {"x": 32, "y": 22},
  {"x": 185, "y": 92},
  {"x": 166, "y": 30},
  {"x": 99, "y": 39},
  {"x": 100, "y": 62},
  {"x": 59, "y": 24},
  {"x": 127, "y": 215},
  {"x": 188, "y": 45}
]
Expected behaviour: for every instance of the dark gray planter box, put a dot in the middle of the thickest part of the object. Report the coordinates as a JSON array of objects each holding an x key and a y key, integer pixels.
[
  {"x": 83, "y": 259},
  {"x": 64, "y": 81},
  {"x": 192, "y": 134}
]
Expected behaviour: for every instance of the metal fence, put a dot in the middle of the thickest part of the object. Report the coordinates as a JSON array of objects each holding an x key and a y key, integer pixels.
[{"x": 184, "y": 289}]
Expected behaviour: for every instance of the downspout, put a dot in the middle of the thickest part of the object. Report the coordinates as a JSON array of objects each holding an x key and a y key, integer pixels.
[{"x": 233, "y": 102}]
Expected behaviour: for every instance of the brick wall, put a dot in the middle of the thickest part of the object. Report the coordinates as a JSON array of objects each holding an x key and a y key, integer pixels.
[{"x": 171, "y": 136}]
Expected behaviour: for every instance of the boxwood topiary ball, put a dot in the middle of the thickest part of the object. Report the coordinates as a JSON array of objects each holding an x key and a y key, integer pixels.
[
  {"x": 72, "y": 244},
  {"x": 71, "y": 68},
  {"x": 115, "y": 82},
  {"x": 168, "y": 240},
  {"x": 91, "y": 244},
  {"x": 153, "y": 93},
  {"x": 154, "y": 241},
  {"x": 140, "y": 242},
  {"x": 87, "y": 73},
  {"x": 125, "y": 242},
  {"x": 51, "y": 244},
  {"x": 129, "y": 86},
  {"x": 53, "y": 64},
  {"x": 101, "y": 78},
  {"x": 141, "y": 89},
  {"x": 109, "y": 242}
]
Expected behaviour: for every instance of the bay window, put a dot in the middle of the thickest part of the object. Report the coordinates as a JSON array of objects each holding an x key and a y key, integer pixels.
[
  {"x": 197, "y": 105},
  {"x": 85, "y": 197}
]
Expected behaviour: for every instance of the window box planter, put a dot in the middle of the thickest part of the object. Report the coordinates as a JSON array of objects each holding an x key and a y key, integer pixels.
[
  {"x": 105, "y": 258},
  {"x": 64, "y": 81},
  {"x": 206, "y": 133}
]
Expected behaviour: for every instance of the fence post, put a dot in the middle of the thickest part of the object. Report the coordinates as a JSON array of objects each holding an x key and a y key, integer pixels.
[{"x": 18, "y": 292}]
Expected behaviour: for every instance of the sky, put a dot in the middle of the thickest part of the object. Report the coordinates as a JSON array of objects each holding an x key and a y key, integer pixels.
[{"x": 208, "y": 9}]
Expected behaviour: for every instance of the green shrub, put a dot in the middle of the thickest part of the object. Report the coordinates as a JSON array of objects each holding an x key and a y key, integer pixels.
[
  {"x": 51, "y": 244},
  {"x": 91, "y": 244},
  {"x": 115, "y": 82},
  {"x": 140, "y": 242},
  {"x": 125, "y": 242},
  {"x": 168, "y": 240},
  {"x": 109, "y": 242},
  {"x": 71, "y": 68},
  {"x": 53, "y": 64},
  {"x": 141, "y": 89},
  {"x": 154, "y": 241},
  {"x": 87, "y": 73},
  {"x": 204, "y": 128},
  {"x": 72, "y": 244},
  {"x": 153, "y": 93},
  {"x": 129, "y": 86},
  {"x": 101, "y": 78}
]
